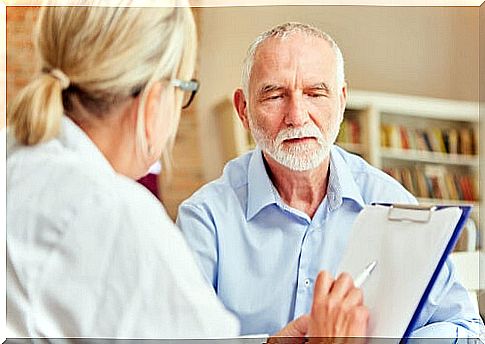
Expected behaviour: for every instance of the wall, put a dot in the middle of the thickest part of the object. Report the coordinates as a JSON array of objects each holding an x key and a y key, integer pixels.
[
  {"x": 20, "y": 21},
  {"x": 427, "y": 51}
]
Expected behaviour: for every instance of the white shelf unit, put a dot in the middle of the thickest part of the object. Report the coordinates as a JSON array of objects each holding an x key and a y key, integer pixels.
[
  {"x": 373, "y": 107},
  {"x": 371, "y": 110},
  {"x": 429, "y": 157}
]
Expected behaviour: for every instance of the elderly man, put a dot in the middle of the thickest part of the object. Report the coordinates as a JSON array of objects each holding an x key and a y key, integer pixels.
[{"x": 284, "y": 211}]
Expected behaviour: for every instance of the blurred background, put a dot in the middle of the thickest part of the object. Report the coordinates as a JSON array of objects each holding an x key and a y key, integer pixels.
[{"x": 413, "y": 74}]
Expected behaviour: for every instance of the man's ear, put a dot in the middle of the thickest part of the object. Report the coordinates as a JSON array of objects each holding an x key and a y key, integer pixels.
[
  {"x": 241, "y": 104},
  {"x": 152, "y": 108},
  {"x": 343, "y": 100}
]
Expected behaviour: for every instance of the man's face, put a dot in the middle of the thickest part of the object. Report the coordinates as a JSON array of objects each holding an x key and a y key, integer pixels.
[{"x": 295, "y": 105}]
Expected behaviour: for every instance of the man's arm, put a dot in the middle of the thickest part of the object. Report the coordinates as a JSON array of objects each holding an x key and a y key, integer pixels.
[
  {"x": 448, "y": 312},
  {"x": 200, "y": 234}
]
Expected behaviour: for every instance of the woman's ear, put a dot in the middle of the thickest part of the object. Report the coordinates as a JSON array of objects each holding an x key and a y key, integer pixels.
[{"x": 152, "y": 109}]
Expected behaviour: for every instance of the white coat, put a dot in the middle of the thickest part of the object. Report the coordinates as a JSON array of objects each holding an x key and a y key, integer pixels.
[{"x": 91, "y": 253}]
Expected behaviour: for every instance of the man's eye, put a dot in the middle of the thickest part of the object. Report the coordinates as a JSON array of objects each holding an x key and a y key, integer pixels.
[
  {"x": 316, "y": 95},
  {"x": 274, "y": 97}
]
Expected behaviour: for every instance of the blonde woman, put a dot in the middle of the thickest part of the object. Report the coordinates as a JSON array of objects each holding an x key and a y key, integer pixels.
[{"x": 89, "y": 251}]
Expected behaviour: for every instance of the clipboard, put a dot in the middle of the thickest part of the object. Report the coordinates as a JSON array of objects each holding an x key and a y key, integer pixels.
[{"x": 382, "y": 224}]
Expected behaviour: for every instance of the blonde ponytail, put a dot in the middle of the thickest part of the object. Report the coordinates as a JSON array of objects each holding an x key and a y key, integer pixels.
[
  {"x": 109, "y": 54},
  {"x": 36, "y": 112}
]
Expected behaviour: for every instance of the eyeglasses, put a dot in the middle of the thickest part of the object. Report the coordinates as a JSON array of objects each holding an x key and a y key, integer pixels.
[{"x": 190, "y": 88}]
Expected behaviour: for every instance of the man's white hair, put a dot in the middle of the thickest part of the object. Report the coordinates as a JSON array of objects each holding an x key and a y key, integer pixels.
[{"x": 285, "y": 30}]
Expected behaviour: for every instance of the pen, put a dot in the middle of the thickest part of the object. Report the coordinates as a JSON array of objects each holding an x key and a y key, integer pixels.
[{"x": 360, "y": 280}]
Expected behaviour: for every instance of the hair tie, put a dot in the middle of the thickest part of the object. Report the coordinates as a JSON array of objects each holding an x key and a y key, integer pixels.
[{"x": 59, "y": 75}]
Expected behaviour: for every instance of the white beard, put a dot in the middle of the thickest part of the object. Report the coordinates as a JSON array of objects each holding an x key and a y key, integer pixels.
[{"x": 296, "y": 156}]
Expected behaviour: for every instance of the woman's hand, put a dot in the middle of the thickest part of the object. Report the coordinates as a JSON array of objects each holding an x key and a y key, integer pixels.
[
  {"x": 293, "y": 333},
  {"x": 338, "y": 308},
  {"x": 338, "y": 311}
]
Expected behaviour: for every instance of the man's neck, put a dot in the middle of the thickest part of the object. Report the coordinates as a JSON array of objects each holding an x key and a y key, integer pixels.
[{"x": 303, "y": 190}]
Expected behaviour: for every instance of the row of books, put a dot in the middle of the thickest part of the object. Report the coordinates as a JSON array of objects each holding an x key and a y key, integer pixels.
[
  {"x": 349, "y": 131},
  {"x": 451, "y": 141},
  {"x": 434, "y": 181}
]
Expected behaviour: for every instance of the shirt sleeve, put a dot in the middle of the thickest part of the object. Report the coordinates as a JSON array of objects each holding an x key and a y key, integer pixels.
[
  {"x": 201, "y": 235},
  {"x": 448, "y": 312}
]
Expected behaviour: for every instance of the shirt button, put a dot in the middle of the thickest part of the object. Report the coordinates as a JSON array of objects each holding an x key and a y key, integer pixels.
[{"x": 307, "y": 282}]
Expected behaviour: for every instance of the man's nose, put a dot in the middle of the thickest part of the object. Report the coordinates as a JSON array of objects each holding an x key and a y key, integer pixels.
[{"x": 297, "y": 113}]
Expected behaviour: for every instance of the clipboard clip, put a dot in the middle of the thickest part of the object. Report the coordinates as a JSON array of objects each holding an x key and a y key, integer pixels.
[{"x": 409, "y": 212}]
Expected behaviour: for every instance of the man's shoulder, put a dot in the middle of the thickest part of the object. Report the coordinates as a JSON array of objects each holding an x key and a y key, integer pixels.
[
  {"x": 232, "y": 182},
  {"x": 358, "y": 166},
  {"x": 374, "y": 184}
]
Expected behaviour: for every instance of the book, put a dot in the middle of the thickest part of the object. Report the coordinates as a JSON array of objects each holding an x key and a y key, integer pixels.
[
  {"x": 423, "y": 190},
  {"x": 404, "y": 138},
  {"x": 466, "y": 142},
  {"x": 453, "y": 141},
  {"x": 408, "y": 181},
  {"x": 435, "y": 181},
  {"x": 436, "y": 173}
]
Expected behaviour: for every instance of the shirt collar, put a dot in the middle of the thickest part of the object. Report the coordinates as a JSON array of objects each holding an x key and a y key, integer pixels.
[
  {"x": 341, "y": 182},
  {"x": 261, "y": 191},
  {"x": 260, "y": 187},
  {"x": 75, "y": 139}
]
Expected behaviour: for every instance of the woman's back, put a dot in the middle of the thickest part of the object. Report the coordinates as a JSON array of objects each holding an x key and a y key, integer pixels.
[{"x": 92, "y": 253}]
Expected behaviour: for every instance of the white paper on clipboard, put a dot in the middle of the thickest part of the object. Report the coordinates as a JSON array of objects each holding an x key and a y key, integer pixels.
[{"x": 407, "y": 253}]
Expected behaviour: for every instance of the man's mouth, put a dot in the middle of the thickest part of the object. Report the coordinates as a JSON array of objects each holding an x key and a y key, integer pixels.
[{"x": 300, "y": 140}]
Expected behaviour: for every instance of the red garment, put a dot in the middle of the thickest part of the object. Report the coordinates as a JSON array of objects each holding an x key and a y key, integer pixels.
[{"x": 150, "y": 181}]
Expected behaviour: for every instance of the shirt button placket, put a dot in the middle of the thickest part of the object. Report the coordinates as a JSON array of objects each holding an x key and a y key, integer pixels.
[{"x": 304, "y": 282}]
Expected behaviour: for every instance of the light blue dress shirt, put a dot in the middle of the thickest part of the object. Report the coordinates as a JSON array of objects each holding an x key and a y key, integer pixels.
[{"x": 262, "y": 256}]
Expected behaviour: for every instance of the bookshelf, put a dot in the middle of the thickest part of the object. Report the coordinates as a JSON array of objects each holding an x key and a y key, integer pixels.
[{"x": 430, "y": 145}]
